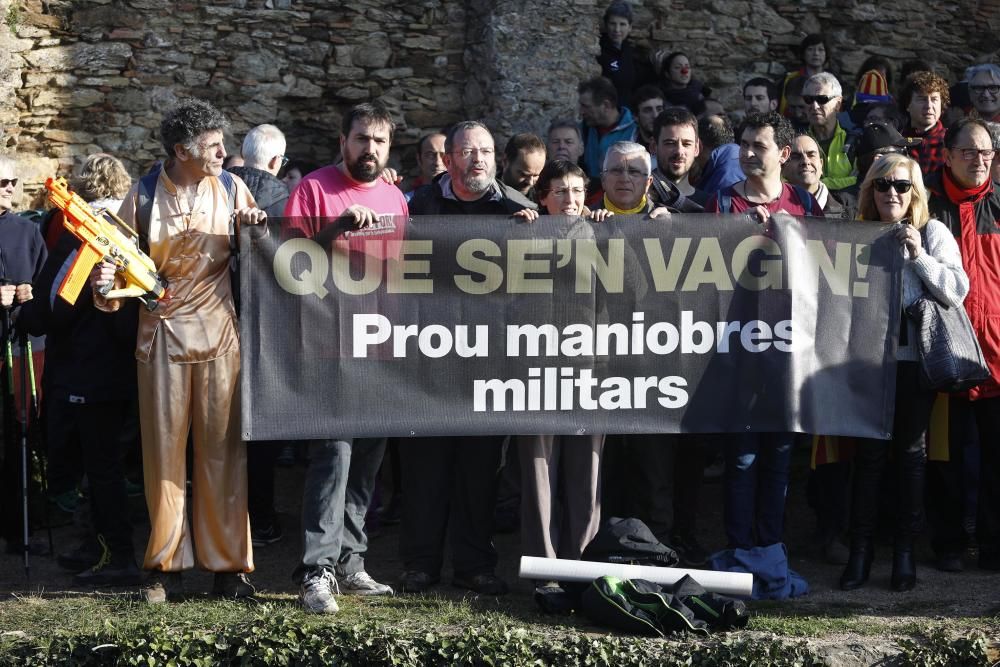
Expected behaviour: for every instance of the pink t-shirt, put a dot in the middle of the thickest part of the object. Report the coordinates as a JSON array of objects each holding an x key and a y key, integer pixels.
[{"x": 322, "y": 196}]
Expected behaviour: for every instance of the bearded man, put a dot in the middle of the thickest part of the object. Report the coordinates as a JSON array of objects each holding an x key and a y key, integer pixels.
[
  {"x": 455, "y": 477},
  {"x": 341, "y": 475}
]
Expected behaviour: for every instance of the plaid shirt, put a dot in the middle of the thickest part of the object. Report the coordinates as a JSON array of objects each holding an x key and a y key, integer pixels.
[{"x": 930, "y": 153}]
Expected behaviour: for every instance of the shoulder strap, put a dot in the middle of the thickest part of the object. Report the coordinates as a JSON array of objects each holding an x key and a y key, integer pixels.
[
  {"x": 805, "y": 199},
  {"x": 230, "y": 185},
  {"x": 144, "y": 207},
  {"x": 725, "y": 202}
]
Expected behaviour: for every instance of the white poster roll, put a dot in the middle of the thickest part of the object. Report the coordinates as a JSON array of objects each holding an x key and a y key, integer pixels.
[{"x": 559, "y": 569}]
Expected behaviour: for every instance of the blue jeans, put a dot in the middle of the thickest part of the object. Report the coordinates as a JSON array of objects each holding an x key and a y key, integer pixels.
[
  {"x": 757, "y": 466},
  {"x": 339, "y": 484}
]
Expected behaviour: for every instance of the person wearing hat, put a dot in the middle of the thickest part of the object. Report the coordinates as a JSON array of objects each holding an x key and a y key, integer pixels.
[
  {"x": 878, "y": 140},
  {"x": 924, "y": 98}
]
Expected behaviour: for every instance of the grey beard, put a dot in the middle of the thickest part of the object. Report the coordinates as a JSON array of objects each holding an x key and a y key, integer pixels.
[{"x": 477, "y": 184}]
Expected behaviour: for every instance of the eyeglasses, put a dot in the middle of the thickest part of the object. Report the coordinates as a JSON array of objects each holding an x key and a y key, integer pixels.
[
  {"x": 622, "y": 171},
  {"x": 562, "y": 192},
  {"x": 284, "y": 160},
  {"x": 991, "y": 88},
  {"x": 466, "y": 153},
  {"x": 4, "y": 182},
  {"x": 971, "y": 153},
  {"x": 819, "y": 99},
  {"x": 900, "y": 186}
]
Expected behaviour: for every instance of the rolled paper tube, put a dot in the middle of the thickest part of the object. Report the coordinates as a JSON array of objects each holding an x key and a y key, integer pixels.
[{"x": 560, "y": 569}]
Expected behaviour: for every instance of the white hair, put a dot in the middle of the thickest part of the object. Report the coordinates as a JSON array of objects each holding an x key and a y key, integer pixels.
[
  {"x": 261, "y": 144},
  {"x": 990, "y": 68},
  {"x": 8, "y": 163},
  {"x": 826, "y": 80},
  {"x": 628, "y": 149}
]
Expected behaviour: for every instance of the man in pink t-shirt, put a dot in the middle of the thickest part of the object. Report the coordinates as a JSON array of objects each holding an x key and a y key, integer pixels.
[{"x": 348, "y": 201}]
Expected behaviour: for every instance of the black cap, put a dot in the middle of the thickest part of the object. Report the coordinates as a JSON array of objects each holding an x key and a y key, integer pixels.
[{"x": 879, "y": 135}]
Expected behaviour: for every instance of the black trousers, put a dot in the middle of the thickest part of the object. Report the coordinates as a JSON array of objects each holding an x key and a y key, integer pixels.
[
  {"x": 261, "y": 457},
  {"x": 97, "y": 427},
  {"x": 449, "y": 478},
  {"x": 664, "y": 475},
  {"x": 948, "y": 526},
  {"x": 908, "y": 463}
]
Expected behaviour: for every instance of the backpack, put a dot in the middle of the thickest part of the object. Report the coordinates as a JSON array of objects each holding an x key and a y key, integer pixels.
[
  {"x": 628, "y": 541},
  {"x": 806, "y": 199},
  {"x": 643, "y": 607},
  {"x": 144, "y": 210}
]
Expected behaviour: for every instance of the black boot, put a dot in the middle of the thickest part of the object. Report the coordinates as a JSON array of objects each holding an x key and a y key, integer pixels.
[
  {"x": 904, "y": 569},
  {"x": 859, "y": 565}
]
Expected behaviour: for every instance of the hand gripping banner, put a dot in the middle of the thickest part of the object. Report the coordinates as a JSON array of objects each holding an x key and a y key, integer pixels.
[{"x": 489, "y": 325}]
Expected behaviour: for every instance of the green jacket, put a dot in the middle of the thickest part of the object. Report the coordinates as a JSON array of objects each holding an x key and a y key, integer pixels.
[{"x": 838, "y": 172}]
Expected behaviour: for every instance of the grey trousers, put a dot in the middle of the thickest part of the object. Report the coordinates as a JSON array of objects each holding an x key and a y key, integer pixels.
[
  {"x": 339, "y": 484},
  {"x": 560, "y": 493}
]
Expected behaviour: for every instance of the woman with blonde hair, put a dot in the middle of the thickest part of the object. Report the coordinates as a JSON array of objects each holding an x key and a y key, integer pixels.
[{"x": 893, "y": 193}]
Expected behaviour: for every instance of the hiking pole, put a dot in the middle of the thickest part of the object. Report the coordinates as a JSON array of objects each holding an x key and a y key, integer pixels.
[
  {"x": 9, "y": 360},
  {"x": 25, "y": 350}
]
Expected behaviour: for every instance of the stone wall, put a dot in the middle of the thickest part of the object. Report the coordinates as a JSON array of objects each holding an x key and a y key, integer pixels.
[{"x": 81, "y": 76}]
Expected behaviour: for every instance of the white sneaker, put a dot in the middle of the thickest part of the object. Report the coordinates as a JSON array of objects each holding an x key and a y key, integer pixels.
[
  {"x": 361, "y": 583},
  {"x": 316, "y": 593}
]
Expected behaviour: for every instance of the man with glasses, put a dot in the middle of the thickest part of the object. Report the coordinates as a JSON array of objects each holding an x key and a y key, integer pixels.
[
  {"x": 823, "y": 95},
  {"x": 340, "y": 479},
  {"x": 964, "y": 197},
  {"x": 626, "y": 179},
  {"x": 263, "y": 154},
  {"x": 984, "y": 90},
  {"x": 22, "y": 255},
  {"x": 925, "y": 97},
  {"x": 455, "y": 478}
]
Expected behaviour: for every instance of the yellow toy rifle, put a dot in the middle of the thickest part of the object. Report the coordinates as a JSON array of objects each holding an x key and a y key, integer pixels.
[{"x": 103, "y": 241}]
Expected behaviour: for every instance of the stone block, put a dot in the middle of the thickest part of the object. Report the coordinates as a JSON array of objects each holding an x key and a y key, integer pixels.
[{"x": 374, "y": 51}]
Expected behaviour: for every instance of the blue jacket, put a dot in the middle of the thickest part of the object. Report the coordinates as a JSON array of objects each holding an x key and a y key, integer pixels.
[
  {"x": 722, "y": 170},
  {"x": 596, "y": 145}
]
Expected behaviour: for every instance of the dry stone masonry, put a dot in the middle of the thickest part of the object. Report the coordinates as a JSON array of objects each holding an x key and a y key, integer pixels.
[{"x": 78, "y": 76}]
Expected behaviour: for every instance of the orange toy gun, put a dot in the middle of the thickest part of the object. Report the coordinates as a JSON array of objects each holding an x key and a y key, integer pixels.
[{"x": 103, "y": 241}]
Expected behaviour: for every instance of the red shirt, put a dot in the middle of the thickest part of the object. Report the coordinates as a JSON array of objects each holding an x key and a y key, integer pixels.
[{"x": 789, "y": 202}]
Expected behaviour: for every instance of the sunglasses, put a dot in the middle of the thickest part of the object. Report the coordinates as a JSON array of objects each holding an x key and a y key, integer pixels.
[
  {"x": 819, "y": 99},
  {"x": 901, "y": 186},
  {"x": 4, "y": 182}
]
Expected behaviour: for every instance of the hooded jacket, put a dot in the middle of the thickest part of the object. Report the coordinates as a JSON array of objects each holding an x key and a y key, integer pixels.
[
  {"x": 268, "y": 191},
  {"x": 596, "y": 144},
  {"x": 722, "y": 170}
]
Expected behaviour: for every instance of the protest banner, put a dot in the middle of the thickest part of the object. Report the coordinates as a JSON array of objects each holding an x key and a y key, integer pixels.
[{"x": 453, "y": 325}]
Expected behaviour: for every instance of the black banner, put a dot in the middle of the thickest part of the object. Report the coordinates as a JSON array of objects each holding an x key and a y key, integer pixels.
[{"x": 456, "y": 326}]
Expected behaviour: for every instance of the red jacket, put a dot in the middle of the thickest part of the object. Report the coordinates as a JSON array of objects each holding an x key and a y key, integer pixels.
[{"x": 974, "y": 219}]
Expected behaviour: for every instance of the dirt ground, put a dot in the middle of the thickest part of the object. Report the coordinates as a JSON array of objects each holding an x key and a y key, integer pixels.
[{"x": 937, "y": 595}]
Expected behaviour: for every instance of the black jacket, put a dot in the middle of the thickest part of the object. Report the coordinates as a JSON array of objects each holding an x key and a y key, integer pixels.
[
  {"x": 430, "y": 200},
  {"x": 269, "y": 192},
  {"x": 90, "y": 354}
]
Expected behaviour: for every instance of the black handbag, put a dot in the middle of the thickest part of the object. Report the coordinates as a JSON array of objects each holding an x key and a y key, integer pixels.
[{"x": 950, "y": 357}]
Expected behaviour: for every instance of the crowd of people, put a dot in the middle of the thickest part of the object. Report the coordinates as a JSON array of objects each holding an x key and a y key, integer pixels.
[{"x": 652, "y": 142}]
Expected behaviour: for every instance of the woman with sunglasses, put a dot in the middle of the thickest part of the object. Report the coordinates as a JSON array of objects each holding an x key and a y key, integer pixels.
[{"x": 893, "y": 193}]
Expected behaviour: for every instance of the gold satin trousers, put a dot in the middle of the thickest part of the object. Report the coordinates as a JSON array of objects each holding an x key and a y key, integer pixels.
[{"x": 204, "y": 397}]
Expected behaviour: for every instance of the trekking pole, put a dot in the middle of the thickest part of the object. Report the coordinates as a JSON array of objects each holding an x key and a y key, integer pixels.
[
  {"x": 35, "y": 427},
  {"x": 25, "y": 350}
]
